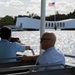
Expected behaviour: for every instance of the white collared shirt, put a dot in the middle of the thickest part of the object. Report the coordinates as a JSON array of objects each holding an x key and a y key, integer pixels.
[{"x": 50, "y": 56}]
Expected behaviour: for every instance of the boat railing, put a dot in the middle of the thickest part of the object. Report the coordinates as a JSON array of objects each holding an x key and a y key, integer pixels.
[
  {"x": 27, "y": 63},
  {"x": 71, "y": 56},
  {"x": 20, "y": 57},
  {"x": 27, "y": 69},
  {"x": 14, "y": 63},
  {"x": 7, "y": 58},
  {"x": 72, "y": 60}
]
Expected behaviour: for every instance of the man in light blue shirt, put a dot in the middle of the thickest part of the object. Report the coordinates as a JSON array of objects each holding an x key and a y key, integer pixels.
[
  {"x": 7, "y": 48},
  {"x": 51, "y": 55}
]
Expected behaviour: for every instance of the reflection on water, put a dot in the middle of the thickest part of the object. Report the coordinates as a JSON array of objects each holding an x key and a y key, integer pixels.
[{"x": 65, "y": 40}]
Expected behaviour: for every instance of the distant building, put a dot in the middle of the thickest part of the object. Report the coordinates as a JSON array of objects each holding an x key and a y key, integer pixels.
[
  {"x": 30, "y": 23},
  {"x": 27, "y": 23}
]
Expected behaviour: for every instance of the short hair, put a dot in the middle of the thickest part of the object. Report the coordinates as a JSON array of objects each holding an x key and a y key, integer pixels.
[
  {"x": 51, "y": 36},
  {"x": 5, "y": 32}
]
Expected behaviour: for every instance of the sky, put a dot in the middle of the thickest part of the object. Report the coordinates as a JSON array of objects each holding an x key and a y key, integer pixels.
[{"x": 21, "y": 7}]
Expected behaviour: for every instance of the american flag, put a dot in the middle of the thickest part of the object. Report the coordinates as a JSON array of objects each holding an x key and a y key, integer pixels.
[{"x": 51, "y": 4}]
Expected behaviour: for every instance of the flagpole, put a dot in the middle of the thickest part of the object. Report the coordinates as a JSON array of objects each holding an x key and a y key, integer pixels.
[
  {"x": 55, "y": 26},
  {"x": 55, "y": 13},
  {"x": 42, "y": 26},
  {"x": 53, "y": 4}
]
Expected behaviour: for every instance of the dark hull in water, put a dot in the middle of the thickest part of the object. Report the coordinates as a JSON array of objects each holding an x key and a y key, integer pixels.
[
  {"x": 31, "y": 29},
  {"x": 68, "y": 29}
]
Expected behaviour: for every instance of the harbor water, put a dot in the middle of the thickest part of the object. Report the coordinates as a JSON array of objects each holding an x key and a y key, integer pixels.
[{"x": 65, "y": 41}]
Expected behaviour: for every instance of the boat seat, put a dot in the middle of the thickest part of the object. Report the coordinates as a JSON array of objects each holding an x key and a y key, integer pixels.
[{"x": 30, "y": 70}]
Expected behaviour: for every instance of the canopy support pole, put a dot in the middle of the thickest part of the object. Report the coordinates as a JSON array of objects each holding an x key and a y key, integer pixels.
[{"x": 42, "y": 26}]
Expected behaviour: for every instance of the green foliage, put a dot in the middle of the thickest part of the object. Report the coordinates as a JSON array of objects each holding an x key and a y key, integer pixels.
[
  {"x": 61, "y": 16},
  {"x": 9, "y": 20}
]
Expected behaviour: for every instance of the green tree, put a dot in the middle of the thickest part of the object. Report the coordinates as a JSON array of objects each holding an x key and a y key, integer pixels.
[{"x": 7, "y": 20}]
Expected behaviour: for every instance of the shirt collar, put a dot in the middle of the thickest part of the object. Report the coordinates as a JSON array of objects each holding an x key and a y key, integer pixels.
[
  {"x": 4, "y": 40},
  {"x": 51, "y": 48}
]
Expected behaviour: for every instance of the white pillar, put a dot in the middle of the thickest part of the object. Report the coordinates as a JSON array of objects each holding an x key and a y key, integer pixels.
[{"x": 42, "y": 26}]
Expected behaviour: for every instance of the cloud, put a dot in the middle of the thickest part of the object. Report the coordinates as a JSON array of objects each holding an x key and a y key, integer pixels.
[
  {"x": 14, "y": 3},
  {"x": 2, "y": 3},
  {"x": 17, "y": 5},
  {"x": 34, "y": 6},
  {"x": 35, "y": 1},
  {"x": 62, "y": 6}
]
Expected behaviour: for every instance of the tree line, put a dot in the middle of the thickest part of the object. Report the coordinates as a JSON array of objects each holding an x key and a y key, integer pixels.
[{"x": 9, "y": 20}]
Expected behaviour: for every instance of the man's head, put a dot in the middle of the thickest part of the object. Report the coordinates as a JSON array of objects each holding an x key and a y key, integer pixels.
[
  {"x": 5, "y": 33},
  {"x": 48, "y": 40}
]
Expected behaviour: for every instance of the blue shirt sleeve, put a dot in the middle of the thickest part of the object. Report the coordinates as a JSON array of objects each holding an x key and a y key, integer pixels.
[{"x": 18, "y": 46}]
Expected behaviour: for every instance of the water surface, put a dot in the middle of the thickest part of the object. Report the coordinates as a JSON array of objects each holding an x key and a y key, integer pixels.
[{"x": 65, "y": 40}]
